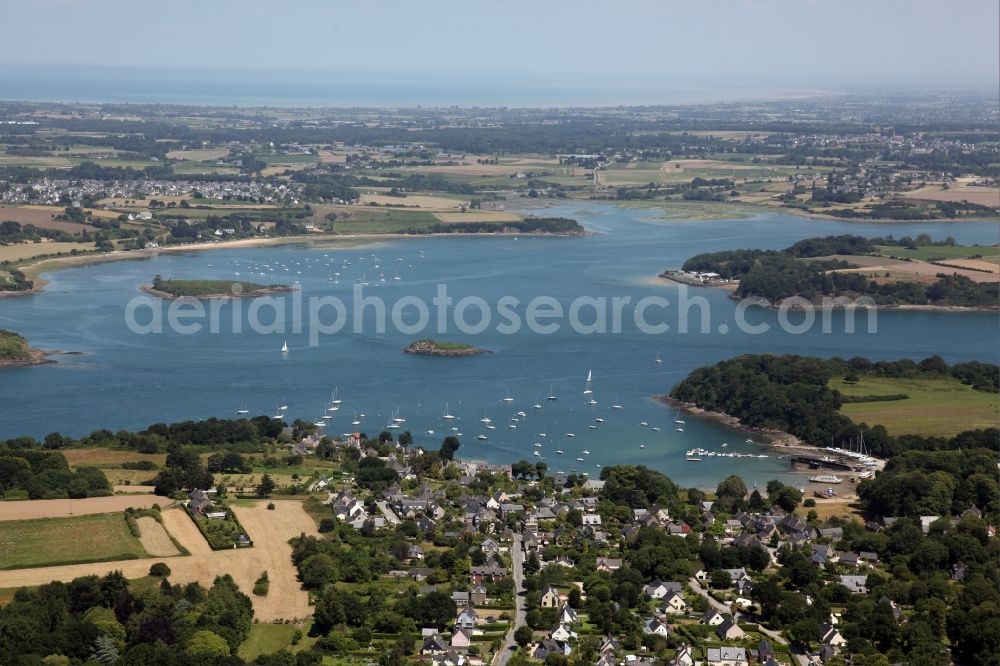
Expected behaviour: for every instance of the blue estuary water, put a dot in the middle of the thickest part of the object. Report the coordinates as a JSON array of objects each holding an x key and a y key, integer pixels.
[{"x": 130, "y": 380}]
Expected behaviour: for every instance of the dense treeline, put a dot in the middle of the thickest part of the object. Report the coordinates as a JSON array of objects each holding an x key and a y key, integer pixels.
[
  {"x": 778, "y": 274},
  {"x": 935, "y": 483},
  {"x": 792, "y": 394},
  {"x": 46, "y": 475},
  {"x": 103, "y": 621},
  {"x": 547, "y": 225},
  {"x": 248, "y": 435}
]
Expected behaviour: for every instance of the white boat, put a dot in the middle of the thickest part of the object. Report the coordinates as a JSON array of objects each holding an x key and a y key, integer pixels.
[
  {"x": 655, "y": 429},
  {"x": 320, "y": 424},
  {"x": 334, "y": 400},
  {"x": 643, "y": 423},
  {"x": 507, "y": 397},
  {"x": 447, "y": 416},
  {"x": 579, "y": 459},
  {"x": 538, "y": 454},
  {"x": 537, "y": 405},
  {"x": 724, "y": 444},
  {"x": 679, "y": 429},
  {"x": 282, "y": 407},
  {"x": 677, "y": 417},
  {"x": 826, "y": 478},
  {"x": 537, "y": 445},
  {"x": 284, "y": 347},
  {"x": 693, "y": 459},
  {"x": 430, "y": 432},
  {"x": 586, "y": 389},
  {"x": 243, "y": 409},
  {"x": 748, "y": 440},
  {"x": 521, "y": 414},
  {"x": 586, "y": 452},
  {"x": 481, "y": 437},
  {"x": 512, "y": 426},
  {"x": 599, "y": 420},
  {"x": 658, "y": 359},
  {"x": 278, "y": 414},
  {"x": 569, "y": 434},
  {"x": 592, "y": 426},
  {"x": 485, "y": 418},
  {"x": 559, "y": 452},
  {"x": 591, "y": 402},
  {"x": 543, "y": 434},
  {"x": 642, "y": 446},
  {"x": 490, "y": 426},
  {"x": 552, "y": 396}
]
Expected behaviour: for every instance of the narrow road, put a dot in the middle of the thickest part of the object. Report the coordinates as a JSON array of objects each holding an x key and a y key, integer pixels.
[
  {"x": 698, "y": 589},
  {"x": 390, "y": 515},
  {"x": 722, "y": 608},
  {"x": 517, "y": 567}
]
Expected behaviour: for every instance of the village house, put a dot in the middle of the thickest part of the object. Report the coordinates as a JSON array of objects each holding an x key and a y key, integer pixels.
[
  {"x": 674, "y": 604},
  {"x": 550, "y": 597},
  {"x": 730, "y": 631},
  {"x": 656, "y": 627},
  {"x": 467, "y": 618},
  {"x": 726, "y": 656}
]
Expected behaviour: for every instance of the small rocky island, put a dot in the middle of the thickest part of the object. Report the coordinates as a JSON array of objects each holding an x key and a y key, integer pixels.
[
  {"x": 15, "y": 352},
  {"x": 429, "y": 347},
  {"x": 211, "y": 288}
]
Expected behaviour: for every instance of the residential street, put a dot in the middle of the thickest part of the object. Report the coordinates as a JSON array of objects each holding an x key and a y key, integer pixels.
[{"x": 517, "y": 566}]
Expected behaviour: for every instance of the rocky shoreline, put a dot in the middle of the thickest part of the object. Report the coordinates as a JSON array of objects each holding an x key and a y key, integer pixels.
[
  {"x": 38, "y": 357},
  {"x": 773, "y": 438}
]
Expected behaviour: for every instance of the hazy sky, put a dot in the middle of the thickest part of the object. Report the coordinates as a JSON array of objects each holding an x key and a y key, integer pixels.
[{"x": 793, "y": 42}]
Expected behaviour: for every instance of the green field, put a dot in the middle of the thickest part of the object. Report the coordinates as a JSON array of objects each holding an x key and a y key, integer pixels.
[
  {"x": 381, "y": 220},
  {"x": 940, "y": 407},
  {"x": 76, "y": 540},
  {"x": 931, "y": 252},
  {"x": 270, "y": 638}
]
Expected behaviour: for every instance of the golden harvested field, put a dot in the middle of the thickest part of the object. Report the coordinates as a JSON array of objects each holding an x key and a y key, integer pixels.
[
  {"x": 198, "y": 154},
  {"x": 423, "y": 201},
  {"x": 154, "y": 538},
  {"x": 976, "y": 264},
  {"x": 330, "y": 157},
  {"x": 99, "y": 457},
  {"x": 41, "y": 217},
  {"x": 877, "y": 267},
  {"x": 30, "y": 509},
  {"x": 270, "y": 531},
  {"x": 956, "y": 192},
  {"x": 30, "y": 250}
]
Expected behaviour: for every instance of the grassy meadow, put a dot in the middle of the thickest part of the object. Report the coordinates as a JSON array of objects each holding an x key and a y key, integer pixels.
[
  {"x": 934, "y": 406},
  {"x": 76, "y": 540}
]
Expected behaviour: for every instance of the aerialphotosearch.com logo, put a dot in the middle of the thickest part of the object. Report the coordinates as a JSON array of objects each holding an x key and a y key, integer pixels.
[{"x": 318, "y": 316}]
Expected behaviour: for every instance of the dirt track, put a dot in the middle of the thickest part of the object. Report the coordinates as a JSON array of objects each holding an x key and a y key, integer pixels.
[
  {"x": 270, "y": 532},
  {"x": 29, "y": 509}
]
